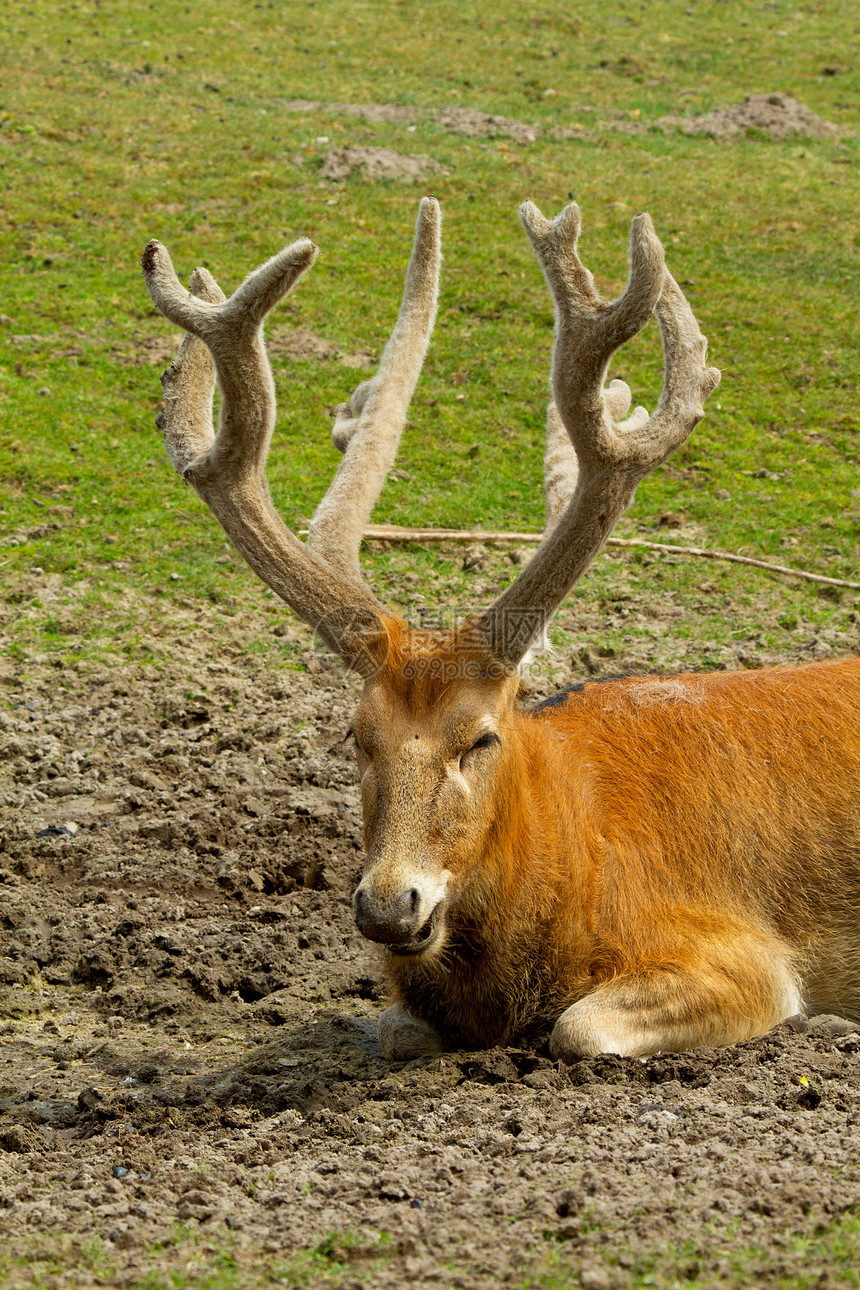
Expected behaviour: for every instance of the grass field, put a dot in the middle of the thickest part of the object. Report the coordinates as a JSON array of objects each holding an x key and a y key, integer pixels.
[
  {"x": 121, "y": 122},
  {"x": 125, "y": 121}
]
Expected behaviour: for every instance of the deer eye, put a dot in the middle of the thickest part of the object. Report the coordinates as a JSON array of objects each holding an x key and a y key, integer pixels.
[
  {"x": 485, "y": 741},
  {"x": 360, "y": 750}
]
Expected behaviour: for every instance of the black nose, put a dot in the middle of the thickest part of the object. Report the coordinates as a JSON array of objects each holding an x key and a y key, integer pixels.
[{"x": 390, "y": 922}]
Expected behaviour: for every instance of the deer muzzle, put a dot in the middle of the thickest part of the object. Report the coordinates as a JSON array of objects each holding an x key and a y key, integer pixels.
[{"x": 406, "y": 919}]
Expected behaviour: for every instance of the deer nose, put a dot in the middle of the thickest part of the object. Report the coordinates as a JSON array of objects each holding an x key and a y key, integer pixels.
[{"x": 392, "y": 921}]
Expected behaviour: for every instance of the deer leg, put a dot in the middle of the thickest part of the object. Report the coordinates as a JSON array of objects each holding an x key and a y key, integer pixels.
[
  {"x": 402, "y": 1036},
  {"x": 712, "y": 999}
]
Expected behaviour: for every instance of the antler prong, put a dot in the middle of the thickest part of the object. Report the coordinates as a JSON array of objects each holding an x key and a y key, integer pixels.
[
  {"x": 188, "y": 384},
  {"x": 593, "y": 459},
  {"x": 591, "y": 482},
  {"x": 367, "y": 430}
]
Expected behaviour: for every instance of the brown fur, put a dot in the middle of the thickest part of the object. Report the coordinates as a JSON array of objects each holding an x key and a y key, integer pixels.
[{"x": 661, "y": 844}]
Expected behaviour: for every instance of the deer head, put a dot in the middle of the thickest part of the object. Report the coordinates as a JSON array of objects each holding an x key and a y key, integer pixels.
[{"x": 440, "y": 753}]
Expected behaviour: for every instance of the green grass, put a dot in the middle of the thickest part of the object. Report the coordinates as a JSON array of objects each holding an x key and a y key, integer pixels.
[
  {"x": 794, "y": 1261},
  {"x": 123, "y": 121},
  {"x": 188, "y": 1259},
  {"x": 192, "y": 1260}
]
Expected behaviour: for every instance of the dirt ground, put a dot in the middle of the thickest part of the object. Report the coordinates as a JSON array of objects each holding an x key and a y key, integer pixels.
[
  {"x": 377, "y": 163},
  {"x": 190, "y": 1082},
  {"x": 776, "y": 115}
]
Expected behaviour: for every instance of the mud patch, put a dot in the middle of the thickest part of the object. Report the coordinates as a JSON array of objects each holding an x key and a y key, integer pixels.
[
  {"x": 484, "y": 125},
  {"x": 468, "y": 121},
  {"x": 305, "y": 345},
  {"x": 189, "y": 1072},
  {"x": 776, "y": 115},
  {"x": 379, "y": 113},
  {"x": 377, "y": 163}
]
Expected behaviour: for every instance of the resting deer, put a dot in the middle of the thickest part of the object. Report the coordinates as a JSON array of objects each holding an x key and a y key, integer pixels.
[{"x": 650, "y": 863}]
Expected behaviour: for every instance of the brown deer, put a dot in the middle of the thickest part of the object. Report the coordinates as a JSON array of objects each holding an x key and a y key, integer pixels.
[{"x": 644, "y": 864}]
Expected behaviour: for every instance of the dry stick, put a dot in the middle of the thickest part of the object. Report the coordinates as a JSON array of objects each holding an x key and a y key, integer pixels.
[{"x": 393, "y": 533}]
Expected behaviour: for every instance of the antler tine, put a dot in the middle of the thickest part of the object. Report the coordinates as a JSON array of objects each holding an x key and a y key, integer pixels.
[
  {"x": 228, "y": 469},
  {"x": 560, "y": 464},
  {"x": 188, "y": 385},
  {"x": 687, "y": 381},
  {"x": 232, "y": 332},
  {"x": 592, "y": 483},
  {"x": 367, "y": 430}
]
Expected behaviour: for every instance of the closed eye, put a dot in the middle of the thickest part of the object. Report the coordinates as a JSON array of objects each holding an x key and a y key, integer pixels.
[{"x": 471, "y": 757}]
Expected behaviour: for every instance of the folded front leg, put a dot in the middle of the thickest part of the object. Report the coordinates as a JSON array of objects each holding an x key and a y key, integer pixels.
[
  {"x": 708, "y": 994},
  {"x": 402, "y": 1036}
]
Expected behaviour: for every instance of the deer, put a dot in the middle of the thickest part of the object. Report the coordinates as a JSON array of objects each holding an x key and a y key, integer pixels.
[{"x": 636, "y": 865}]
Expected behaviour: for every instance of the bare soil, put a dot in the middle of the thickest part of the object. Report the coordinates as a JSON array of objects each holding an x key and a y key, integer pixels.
[
  {"x": 307, "y": 345},
  {"x": 188, "y": 1058},
  {"x": 776, "y": 115},
  {"x": 474, "y": 123},
  {"x": 377, "y": 163},
  {"x": 379, "y": 113},
  {"x": 464, "y": 120}
]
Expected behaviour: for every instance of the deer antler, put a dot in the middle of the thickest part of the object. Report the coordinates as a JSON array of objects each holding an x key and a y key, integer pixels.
[
  {"x": 593, "y": 462},
  {"x": 367, "y": 430},
  {"x": 321, "y": 580}
]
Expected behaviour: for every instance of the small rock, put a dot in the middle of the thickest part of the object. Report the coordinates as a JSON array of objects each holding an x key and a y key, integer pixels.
[
  {"x": 14, "y": 1139},
  {"x": 831, "y": 1027},
  {"x": 595, "y": 1278},
  {"x": 88, "y": 1099}
]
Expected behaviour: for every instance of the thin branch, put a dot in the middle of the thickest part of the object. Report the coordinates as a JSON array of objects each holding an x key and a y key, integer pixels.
[{"x": 393, "y": 533}]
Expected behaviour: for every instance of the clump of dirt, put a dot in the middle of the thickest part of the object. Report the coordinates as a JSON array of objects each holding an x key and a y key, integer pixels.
[
  {"x": 485, "y": 125},
  {"x": 379, "y": 113},
  {"x": 457, "y": 120},
  {"x": 306, "y": 345},
  {"x": 776, "y": 115},
  {"x": 377, "y": 163}
]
